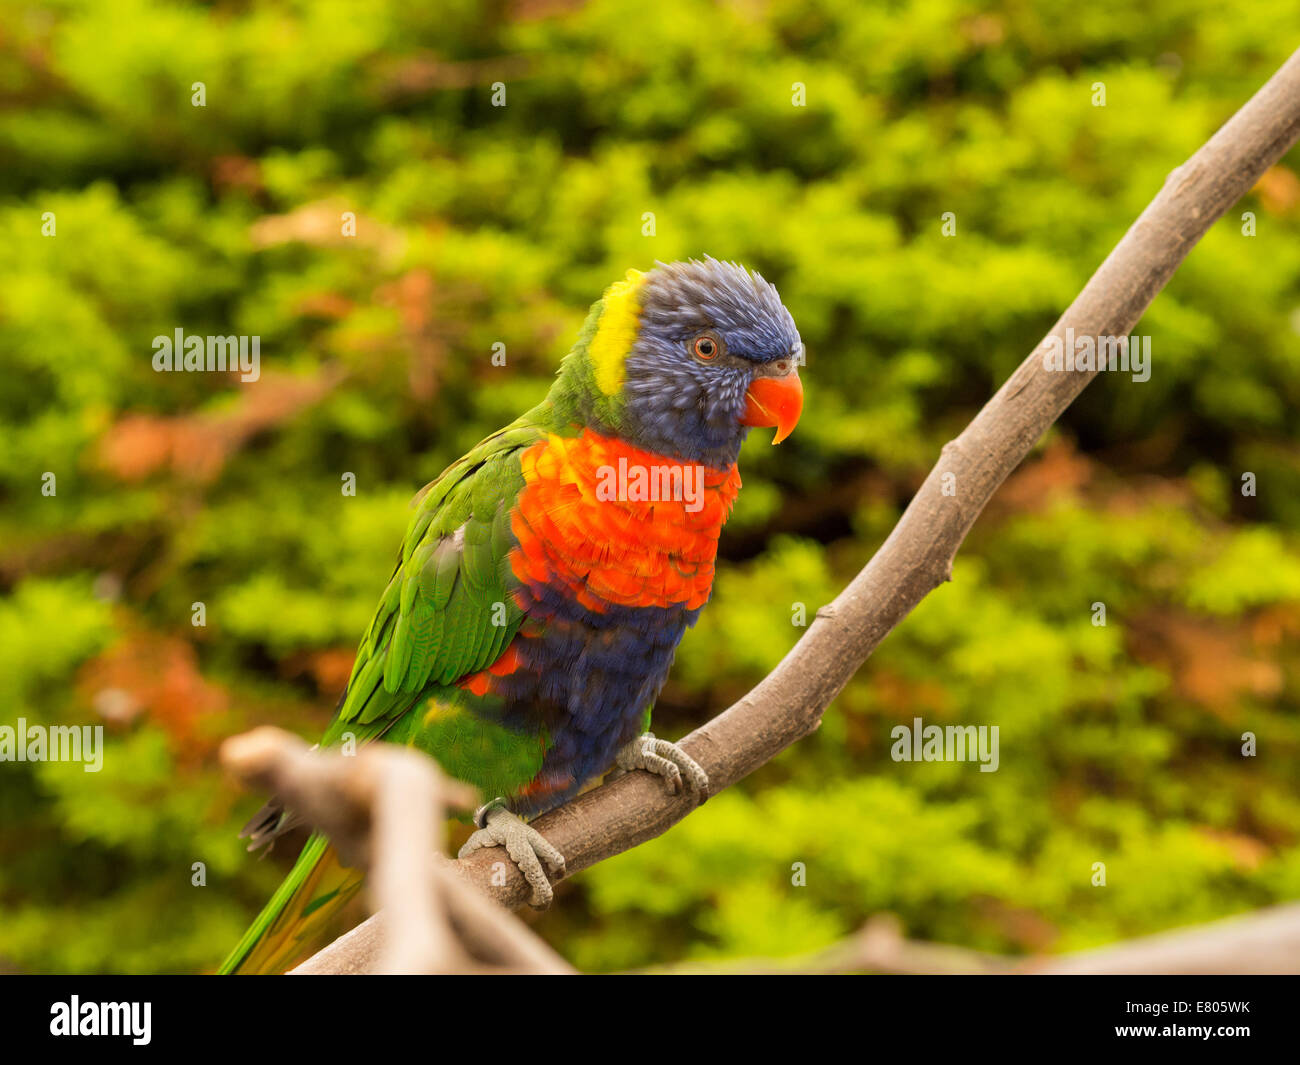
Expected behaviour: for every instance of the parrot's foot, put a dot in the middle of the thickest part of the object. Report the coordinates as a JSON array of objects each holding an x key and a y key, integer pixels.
[
  {"x": 666, "y": 760},
  {"x": 498, "y": 827}
]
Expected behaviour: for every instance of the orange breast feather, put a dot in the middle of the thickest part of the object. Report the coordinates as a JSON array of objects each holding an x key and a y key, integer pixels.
[{"x": 616, "y": 525}]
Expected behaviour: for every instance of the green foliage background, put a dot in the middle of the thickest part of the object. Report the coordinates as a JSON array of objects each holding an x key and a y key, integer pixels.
[{"x": 481, "y": 224}]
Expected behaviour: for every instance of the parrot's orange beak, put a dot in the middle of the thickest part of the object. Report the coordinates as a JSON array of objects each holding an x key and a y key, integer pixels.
[{"x": 774, "y": 401}]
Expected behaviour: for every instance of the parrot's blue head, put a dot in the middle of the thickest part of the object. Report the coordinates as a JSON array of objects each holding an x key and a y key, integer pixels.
[{"x": 686, "y": 358}]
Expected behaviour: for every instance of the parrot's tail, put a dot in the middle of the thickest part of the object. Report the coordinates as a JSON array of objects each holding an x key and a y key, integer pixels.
[{"x": 315, "y": 889}]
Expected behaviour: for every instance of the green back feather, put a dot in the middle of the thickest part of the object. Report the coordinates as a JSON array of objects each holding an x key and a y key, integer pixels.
[{"x": 434, "y": 624}]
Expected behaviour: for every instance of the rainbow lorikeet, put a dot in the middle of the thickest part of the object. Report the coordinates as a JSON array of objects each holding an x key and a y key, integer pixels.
[{"x": 547, "y": 576}]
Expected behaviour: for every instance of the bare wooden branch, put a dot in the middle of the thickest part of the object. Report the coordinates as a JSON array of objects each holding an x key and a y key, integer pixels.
[
  {"x": 447, "y": 925},
  {"x": 497, "y": 944},
  {"x": 1265, "y": 943},
  {"x": 385, "y": 809},
  {"x": 408, "y": 826},
  {"x": 917, "y": 556},
  {"x": 878, "y": 947}
]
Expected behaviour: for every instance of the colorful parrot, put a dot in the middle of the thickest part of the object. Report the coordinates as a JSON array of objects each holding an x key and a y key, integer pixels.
[{"x": 547, "y": 576}]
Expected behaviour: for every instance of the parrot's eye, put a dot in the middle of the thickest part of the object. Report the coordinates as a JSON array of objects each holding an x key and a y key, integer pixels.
[{"x": 706, "y": 347}]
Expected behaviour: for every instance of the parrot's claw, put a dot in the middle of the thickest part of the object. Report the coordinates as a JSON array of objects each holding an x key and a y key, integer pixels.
[
  {"x": 666, "y": 760},
  {"x": 528, "y": 848}
]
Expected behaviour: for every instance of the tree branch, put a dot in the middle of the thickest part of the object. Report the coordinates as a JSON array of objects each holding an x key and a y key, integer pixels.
[
  {"x": 384, "y": 810},
  {"x": 1266, "y": 943},
  {"x": 918, "y": 554},
  {"x": 377, "y": 802}
]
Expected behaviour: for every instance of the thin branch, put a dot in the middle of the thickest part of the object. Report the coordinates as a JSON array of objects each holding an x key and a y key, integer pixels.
[
  {"x": 917, "y": 556},
  {"x": 408, "y": 827},
  {"x": 1263, "y": 943},
  {"x": 877, "y": 947},
  {"x": 1266, "y": 943},
  {"x": 497, "y": 944},
  {"x": 385, "y": 810}
]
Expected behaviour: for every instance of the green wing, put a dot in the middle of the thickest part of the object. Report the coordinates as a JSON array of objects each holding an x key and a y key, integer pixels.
[{"x": 448, "y": 610}]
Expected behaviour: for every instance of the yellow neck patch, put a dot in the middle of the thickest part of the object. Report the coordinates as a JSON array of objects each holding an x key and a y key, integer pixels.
[{"x": 616, "y": 332}]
